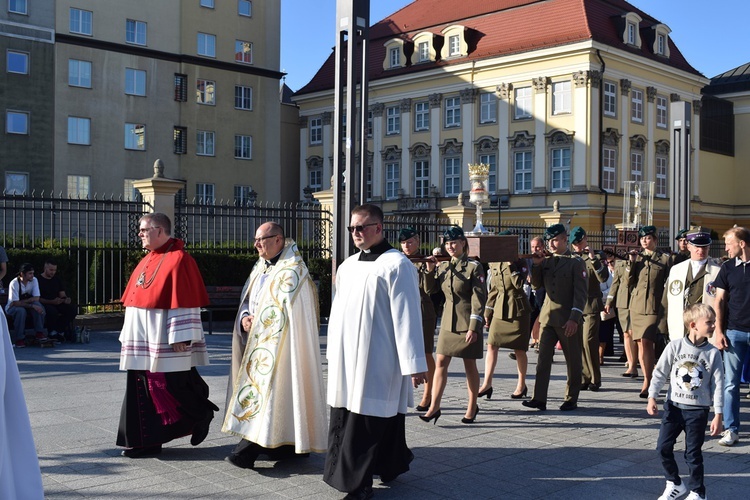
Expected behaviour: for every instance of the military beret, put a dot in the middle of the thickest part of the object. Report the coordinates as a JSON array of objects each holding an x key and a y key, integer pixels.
[
  {"x": 553, "y": 230},
  {"x": 576, "y": 234},
  {"x": 406, "y": 233},
  {"x": 698, "y": 238},
  {"x": 681, "y": 234},
  {"x": 507, "y": 232},
  {"x": 453, "y": 233},
  {"x": 646, "y": 230}
]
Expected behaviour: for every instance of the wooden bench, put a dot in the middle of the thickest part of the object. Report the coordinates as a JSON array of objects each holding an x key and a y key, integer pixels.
[{"x": 221, "y": 298}]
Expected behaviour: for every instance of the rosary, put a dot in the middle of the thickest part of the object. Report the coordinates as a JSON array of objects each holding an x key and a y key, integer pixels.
[{"x": 142, "y": 282}]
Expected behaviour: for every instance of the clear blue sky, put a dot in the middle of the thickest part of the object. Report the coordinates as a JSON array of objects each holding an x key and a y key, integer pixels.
[{"x": 713, "y": 35}]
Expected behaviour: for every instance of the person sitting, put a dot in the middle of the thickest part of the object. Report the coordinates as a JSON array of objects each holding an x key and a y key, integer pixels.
[
  {"x": 23, "y": 299},
  {"x": 59, "y": 309}
]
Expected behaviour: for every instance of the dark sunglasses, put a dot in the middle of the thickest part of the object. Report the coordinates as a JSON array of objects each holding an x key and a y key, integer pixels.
[{"x": 360, "y": 228}]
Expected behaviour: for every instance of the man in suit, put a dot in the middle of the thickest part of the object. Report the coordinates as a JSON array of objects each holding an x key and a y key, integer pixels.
[
  {"x": 689, "y": 282},
  {"x": 563, "y": 275}
]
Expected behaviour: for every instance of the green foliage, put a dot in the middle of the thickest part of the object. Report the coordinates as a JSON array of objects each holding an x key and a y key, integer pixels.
[
  {"x": 220, "y": 269},
  {"x": 320, "y": 271}
]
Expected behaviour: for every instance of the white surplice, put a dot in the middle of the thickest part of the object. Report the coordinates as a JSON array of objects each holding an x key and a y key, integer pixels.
[{"x": 375, "y": 336}]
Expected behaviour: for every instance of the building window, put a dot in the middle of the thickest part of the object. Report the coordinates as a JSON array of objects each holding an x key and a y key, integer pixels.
[
  {"x": 421, "y": 179},
  {"x": 487, "y": 108},
  {"x": 369, "y": 124},
  {"x": 180, "y": 87},
  {"x": 522, "y": 172},
  {"x": 523, "y": 103},
  {"x": 17, "y": 62},
  {"x": 636, "y": 105},
  {"x": 561, "y": 98},
  {"x": 135, "y": 136},
  {"x": 632, "y": 33},
  {"x": 245, "y": 8},
  {"x": 661, "y": 112},
  {"x": 421, "y": 116},
  {"x": 135, "y": 32},
  {"x": 368, "y": 182},
  {"x": 243, "y": 97},
  {"x": 180, "y": 140},
  {"x": 204, "y": 193},
  {"x": 661, "y": 43},
  {"x": 424, "y": 51},
  {"x": 130, "y": 193},
  {"x": 79, "y": 73},
  {"x": 81, "y": 21},
  {"x": 79, "y": 186},
  {"x": 393, "y": 120},
  {"x": 18, "y": 6},
  {"x": 205, "y": 92},
  {"x": 17, "y": 122},
  {"x": 454, "y": 45},
  {"x": 453, "y": 112},
  {"x": 395, "y": 57},
  {"x": 242, "y": 196},
  {"x": 636, "y": 166},
  {"x": 392, "y": 180},
  {"x": 560, "y": 169},
  {"x": 204, "y": 143},
  {"x": 315, "y": 175},
  {"x": 16, "y": 183},
  {"x": 609, "y": 169},
  {"x": 610, "y": 99},
  {"x": 243, "y": 52},
  {"x": 207, "y": 3},
  {"x": 316, "y": 131},
  {"x": 79, "y": 130},
  {"x": 243, "y": 147},
  {"x": 661, "y": 176},
  {"x": 206, "y": 45},
  {"x": 452, "y": 176},
  {"x": 491, "y": 160},
  {"x": 135, "y": 81}
]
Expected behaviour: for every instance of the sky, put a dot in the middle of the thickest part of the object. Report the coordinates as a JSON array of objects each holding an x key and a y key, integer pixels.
[{"x": 713, "y": 36}]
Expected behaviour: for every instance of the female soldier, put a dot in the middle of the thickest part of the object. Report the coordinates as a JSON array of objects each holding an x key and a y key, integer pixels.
[{"x": 462, "y": 282}]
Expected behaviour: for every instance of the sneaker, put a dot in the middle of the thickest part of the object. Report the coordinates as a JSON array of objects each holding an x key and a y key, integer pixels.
[
  {"x": 728, "y": 438},
  {"x": 694, "y": 495},
  {"x": 41, "y": 337},
  {"x": 673, "y": 491},
  {"x": 20, "y": 343}
]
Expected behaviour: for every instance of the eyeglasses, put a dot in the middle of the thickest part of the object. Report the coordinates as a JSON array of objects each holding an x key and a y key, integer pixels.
[
  {"x": 147, "y": 229},
  {"x": 360, "y": 228},
  {"x": 258, "y": 240}
]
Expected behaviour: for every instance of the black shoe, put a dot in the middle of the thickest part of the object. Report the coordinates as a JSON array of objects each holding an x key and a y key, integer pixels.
[
  {"x": 533, "y": 403},
  {"x": 643, "y": 395},
  {"x": 568, "y": 406},
  {"x": 520, "y": 396},
  {"x": 142, "y": 452},
  {"x": 594, "y": 387},
  {"x": 422, "y": 408},
  {"x": 363, "y": 493},
  {"x": 470, "y": 420},
  {"x": 241, "y": 461},
  {"x": 435, "y": 416},
  {"x": 486, "y": 392},
  {"x": 512, "y": 355},
  {"x": 200, "y": 431},
  {"x": 630, "y": 375},
  {"x": 585, "y": 387}
]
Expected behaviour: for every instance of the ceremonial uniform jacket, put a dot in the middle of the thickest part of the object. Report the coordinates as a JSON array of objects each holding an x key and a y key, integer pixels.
[
  {"x": 597, "y": 273},
  {"x": 683, "y": 290},
  {"x": 463, "y": 284},
  {"x": 564, "y": 278},
  {"x": 506, "y": 284},
  {"x": 428, "y": 308},
  {"x": 619, "y": 292},
  {"x": 647, "y": 277}
]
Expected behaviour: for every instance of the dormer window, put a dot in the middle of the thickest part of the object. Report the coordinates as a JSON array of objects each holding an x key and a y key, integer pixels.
[
  {"x": 632, "y": 33},
  {"x": 424, "y": 50},
  {"x": 394, "y": 54},
  {"x": 455, "y": 45},
  {"x": 395, "y": 57},
  {"x": 661, "y": 39}
]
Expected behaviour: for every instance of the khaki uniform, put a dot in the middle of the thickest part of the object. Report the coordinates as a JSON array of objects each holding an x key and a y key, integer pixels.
[
  {"x": 597, "y": 272},
  {"x": 429, "y": 317},
  {"x": 683, "y": 290},
  {"x": 564, "y": 279},
  {"x": 619, "y": 293},
  {"x": 508, "y": 308},
  {"x": 462, "y": 281},
  {"x": 647, "y": 277}
]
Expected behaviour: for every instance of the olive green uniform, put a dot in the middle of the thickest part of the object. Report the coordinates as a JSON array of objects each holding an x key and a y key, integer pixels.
[
  {"x": 508, "y": 309},
  {"x": 647, "y": 277},
  {"x": 619, "y": 293},
  {"x": 429, "y": 317},
  {"x": 597, "y": 272}
]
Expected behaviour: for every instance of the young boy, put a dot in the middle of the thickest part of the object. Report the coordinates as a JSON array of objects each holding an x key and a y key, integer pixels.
[{"x": 694, "y": 369}]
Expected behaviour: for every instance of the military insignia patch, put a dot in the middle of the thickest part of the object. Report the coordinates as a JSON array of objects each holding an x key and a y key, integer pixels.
[
  {"x": 583, "y": 273},
  {"x": 711, "y": 289},
  {"x": 675, "y": 287}
]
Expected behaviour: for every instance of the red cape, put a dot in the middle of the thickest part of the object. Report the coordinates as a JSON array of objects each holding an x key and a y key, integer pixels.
[{"x": 178, "y": 282}]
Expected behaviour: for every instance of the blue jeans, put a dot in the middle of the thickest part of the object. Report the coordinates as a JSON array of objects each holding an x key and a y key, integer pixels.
[
  {"x": 19, "y": 320},
  {"x": 734, "y": 356},
  {"x": 693, "y": 422}
]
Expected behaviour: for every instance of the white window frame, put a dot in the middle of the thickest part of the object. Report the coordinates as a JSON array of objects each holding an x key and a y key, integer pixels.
[
  {"x": 79, "y": 130},
  {"x": 23, "y": 57},
  {"x": 487, "y": 107},
  {"x": 394, "y": 57},
  {"x": 209, "y": 4},
  {"x": 454, "y": 45},
  {"x": 243, "y": 52},
  {"x": 662, "y": 112},
  {"x": 316, "y": 131},
  {"x": 18, "y": 7},
  {"x": 609, "y": 169},
  {"x": 315, "y": 175},
  {"x": 205, "y": 143},
  {"x": 248, "y": 11},
  {"x": 610, "y": 99},
  {"x": 491, "y": 160},
  {"x": 135, "y": 82},
  {"x": 392, "y": 180},
  {"x": 205, "y": 193},
  {"x": 207, "y": 94},
  {"x": 243, "y": 147},
  {"x": 392, "y": 120},
  {"x": 636, "y": 166},
  {"x": 560, "y": 168},
  {"x": 452, "y": 112},
  {"x": 636, "y": 105},
  {"x": 662, "y": 169},
  {"x": 522, "y": 171},
  {"x": 242, "y": 195},
  {"x": 421, "y": 178},
  {"x": 129, "y": 192},
  {"x": 243, "y": 97},
  {"x": 206, "y": 44},
  {"x": 81, "y": 22},
  {"x": 79, "y": 186},
  {"x": 79, "y": 79},
  {"x": 661, "y": 44},
  {"x": 16, "y": 183},
  {"x": 135, "y": 136},
  {"x": 562, "y": 97},
  {"x": 421, "y": 116},
  {"x": 522, "y": 99},
  {"x": 452, "y": 176},
  {"x": 133, "y": 34},
  {"x": 632, "y": 35},
  {"x": 14, "y": 119},
  {"x": 423, "y": 51}
]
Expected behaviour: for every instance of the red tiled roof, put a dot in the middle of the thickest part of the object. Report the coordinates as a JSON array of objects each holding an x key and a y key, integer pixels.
[{"x": 504, "y": 27}]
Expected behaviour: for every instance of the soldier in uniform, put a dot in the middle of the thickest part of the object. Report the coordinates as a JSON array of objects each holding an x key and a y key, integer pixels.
[
  {"x": 683, "y": 252},
  {"x": 409, "y": 240},
  {"x": 597, "y": 272},
  {"x": 689, "y": 282},
  {"x": 649, "y": 269},
  {"x": 619, "y": 298},
  {"x": 563, "y": 276},
  {"x": 462, "y": 282}
]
